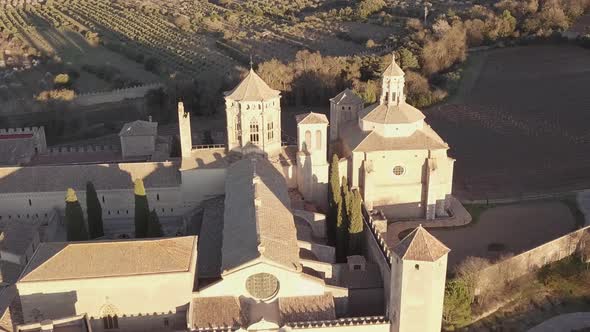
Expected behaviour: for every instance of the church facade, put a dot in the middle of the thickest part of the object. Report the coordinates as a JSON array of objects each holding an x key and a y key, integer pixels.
[{"x": 260, "y": 260}]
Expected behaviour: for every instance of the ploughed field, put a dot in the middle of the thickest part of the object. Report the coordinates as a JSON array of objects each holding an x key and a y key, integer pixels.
[{"x": 520, "y": 122}]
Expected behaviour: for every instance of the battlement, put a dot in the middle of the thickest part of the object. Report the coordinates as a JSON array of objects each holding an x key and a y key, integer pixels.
[
  {"x": 82, "y": 149},
  {"x": 351, "y": 321},
  {"x": 100, "y": 97},
  {"x": 24, "y": 130}
]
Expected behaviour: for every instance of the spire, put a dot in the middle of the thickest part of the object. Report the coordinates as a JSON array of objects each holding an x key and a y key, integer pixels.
[
  {"x": 251, "y": 63},
  {"x": 393, "y": 69},
  {"x": 420, "y": 245}
]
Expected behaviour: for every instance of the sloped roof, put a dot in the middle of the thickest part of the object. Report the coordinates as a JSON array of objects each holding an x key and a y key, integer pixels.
[
  {"x": 17, "y": 237},
  {"x": 420, "y": 245},
  {"x": 258, "y": 222},
  {"x": 358, "y": 140},
  {"x": 104, "y": 176},
  {"x": 217, "y": 312},
  {"x": 139, "y": 128},
  {"x": 96, "y": 259},
  {"x": 252, "y": 88},
  {"x": 393, "y": 69},
  {"x": 347, "y": 97},
  {"x": 391, "y": 113},
  {"x": 307, "y": 308},
  {"x": 311, "y": 118}
]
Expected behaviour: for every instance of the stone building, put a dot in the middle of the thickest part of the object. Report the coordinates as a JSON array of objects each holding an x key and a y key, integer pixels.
[
  {"x": 262, "y": 262},
  {"x": 138, "y": 138},
  {"x": 396, "y": 159}
]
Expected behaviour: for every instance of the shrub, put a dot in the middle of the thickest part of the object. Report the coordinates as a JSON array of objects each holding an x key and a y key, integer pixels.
[{"x": 457, "y": 304}]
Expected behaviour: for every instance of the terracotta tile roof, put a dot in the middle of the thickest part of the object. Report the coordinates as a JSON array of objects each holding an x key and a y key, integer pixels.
[
  {"x": 217, "y": 312},
  {"x": 139, "y": 128},
  {"x": 307, "y": 308},
  {"x": 104, "y": 176},
  {"x": 391, "y": 113},
  {"x": 16, "y": 238},
  {"x": 420, "y": 245},
  {"x": 9, "y": 272},
  {"x": 252, "y": 88},
  {"x": 357, "y": 140},
  {"x": 257, "y": 219},
  {"x": 347, "y": 97},
  {"x": 311, "y": 118},
  {"x": 211, "y": 238},
  {"x": 393, "y": 69},
  {"x": 75, "y": 260}
]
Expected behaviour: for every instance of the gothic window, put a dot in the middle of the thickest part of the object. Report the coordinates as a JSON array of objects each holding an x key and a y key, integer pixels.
[
  {"x": 110, "y": 322},
  {"x": 307, "y": 143},
  {"x": 254, "y": 132},
  {"x": 109, "y": 317},
  {"x": 270, "y": 131},
  {"x": 318, "y": 139}
]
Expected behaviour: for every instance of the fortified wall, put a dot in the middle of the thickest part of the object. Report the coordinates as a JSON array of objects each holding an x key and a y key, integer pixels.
[
  {"x": 94, "y": 98},
  {"x": 530, "y": 261}
]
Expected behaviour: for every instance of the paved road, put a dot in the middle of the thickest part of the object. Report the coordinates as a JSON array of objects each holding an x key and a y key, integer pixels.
[{"x": 564, "y": 323}]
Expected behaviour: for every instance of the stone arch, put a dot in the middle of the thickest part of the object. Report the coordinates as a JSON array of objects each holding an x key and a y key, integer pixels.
[
  {"x": 318, "y": 139},
  {"x": 307, "y": 142}
]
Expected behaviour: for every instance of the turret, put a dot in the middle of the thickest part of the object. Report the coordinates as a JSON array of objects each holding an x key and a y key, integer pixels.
[
  {"x": 253, "y": 113},
  {"x": 184, "y": 127}
]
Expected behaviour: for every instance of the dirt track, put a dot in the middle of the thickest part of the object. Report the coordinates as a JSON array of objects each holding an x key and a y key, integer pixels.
[{"x": 520, "y": 123}]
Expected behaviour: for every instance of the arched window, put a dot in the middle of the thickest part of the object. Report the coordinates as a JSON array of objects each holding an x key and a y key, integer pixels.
[
  {"x": 270, "y": 134},
  {"x": 318, "y": 139},
  {"x": 254, "y": 132},
  {"x": 307, "y": 143},
  {"x": 109, "y": 317}
]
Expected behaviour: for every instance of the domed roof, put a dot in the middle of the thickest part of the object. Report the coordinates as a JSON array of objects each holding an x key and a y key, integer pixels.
[
  {"x": 382, "y": 113},
  {"x": 393, "y": 69},
  {"x": 252, "y": 88}
]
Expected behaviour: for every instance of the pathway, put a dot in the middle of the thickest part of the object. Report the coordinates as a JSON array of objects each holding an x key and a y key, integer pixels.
[{"x": 565, "y": 323}]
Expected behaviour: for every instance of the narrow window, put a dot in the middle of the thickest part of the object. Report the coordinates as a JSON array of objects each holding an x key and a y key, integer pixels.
[
  {"x": 270, "y": 134},
  {"x": 318, "y": 139},
  {"x": 103, "y": 198},
  {"x": 254, "y": 132},
  {"x": 157, "y": 197},
  {"x": 307, "y": 143},
  {"x": 30, "y": 203},
  {"x": 166, "y": 322}
]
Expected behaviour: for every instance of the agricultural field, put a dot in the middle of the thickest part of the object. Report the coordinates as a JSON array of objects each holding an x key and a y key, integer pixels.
[{"x": 519, "y": 122}]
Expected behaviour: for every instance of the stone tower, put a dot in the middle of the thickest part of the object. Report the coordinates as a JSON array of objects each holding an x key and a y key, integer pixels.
[
  {"x": 392, "y": 85},
  {"x": 343, "y": 108},
  {"x": 253, "y": 113},
  {"x": 418, "y": 273},
  {"x": 312, "y": 161},
  {"x": 184, "y": 128}
]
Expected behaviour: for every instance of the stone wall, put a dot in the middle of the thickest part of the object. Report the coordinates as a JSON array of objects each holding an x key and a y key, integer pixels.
[
  {"x": 530, "y": 261},
  {"x": 377, "y": 252},
  {"x": 115, "y": 95}
]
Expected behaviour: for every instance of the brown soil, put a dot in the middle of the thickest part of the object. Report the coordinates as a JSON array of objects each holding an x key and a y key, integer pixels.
[{"x": 521, "y": 124}]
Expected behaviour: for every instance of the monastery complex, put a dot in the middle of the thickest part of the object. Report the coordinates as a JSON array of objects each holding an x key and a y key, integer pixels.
[{"x": 247, "y": 247}]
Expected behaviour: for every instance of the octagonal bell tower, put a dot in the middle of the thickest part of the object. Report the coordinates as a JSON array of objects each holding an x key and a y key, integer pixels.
[{"x": 253, "y": 113}]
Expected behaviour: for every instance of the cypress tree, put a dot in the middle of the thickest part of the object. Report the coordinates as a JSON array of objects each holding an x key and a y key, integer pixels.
[
  {"x": 154, "y": 226},
  {"x": 355, "y": 229},
  {"x": 341, "y": 232},
  {"x": 75, "y": 224},
  {"x": 334, "y": 198},
  {"x": 142, "y": 210},
  {"x": 94, "y": 212}
]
